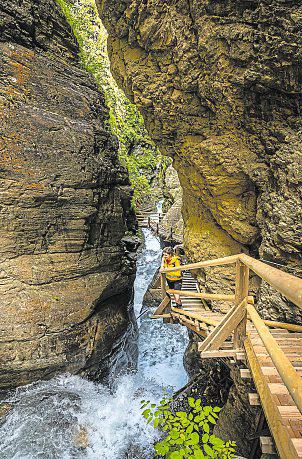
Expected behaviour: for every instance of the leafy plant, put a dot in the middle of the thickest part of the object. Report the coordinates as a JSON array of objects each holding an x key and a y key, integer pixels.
[{"x": 187, "y": 434}]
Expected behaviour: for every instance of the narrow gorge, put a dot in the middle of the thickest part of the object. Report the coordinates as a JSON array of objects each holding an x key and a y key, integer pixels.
[{"x": 128, "y": 126}]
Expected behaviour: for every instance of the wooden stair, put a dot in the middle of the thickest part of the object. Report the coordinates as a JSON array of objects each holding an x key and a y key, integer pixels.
[{"x": 273, "y": 356}]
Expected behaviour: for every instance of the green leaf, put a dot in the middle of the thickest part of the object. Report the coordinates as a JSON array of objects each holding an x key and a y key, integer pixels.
[
  {"x": 205, "y": 438},
  {"x": 174, "y": 434},
  {"x": 175, "y": 455},
  {"x": 189, "y": 429},
  {"x": 209, "y": 450},
  {"x": 191, "y": 402},
  {"x": 206, "y": 428},
  {"x": 194, "y": 438},
  {"x": 216, "y": 441},
  {"x": 146, "y": 413},
  {"x": 207, "y": 410},
  {"x": 216, "y": 409},
  {"x": 198, "y": 454},
  {"x": 212, "y": 420}
]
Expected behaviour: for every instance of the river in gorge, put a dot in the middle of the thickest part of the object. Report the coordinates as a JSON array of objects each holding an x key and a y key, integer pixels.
[{"x": 49, "y": 417}]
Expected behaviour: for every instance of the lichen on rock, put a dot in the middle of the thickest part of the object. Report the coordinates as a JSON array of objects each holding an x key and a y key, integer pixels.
[{"x": 66, "y": 275}]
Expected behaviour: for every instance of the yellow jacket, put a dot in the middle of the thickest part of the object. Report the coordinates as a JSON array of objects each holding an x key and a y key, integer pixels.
[{"x": 174, "y": 262}]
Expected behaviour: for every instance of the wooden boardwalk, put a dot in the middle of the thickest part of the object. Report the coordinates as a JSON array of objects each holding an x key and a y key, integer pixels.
[{"x": 272, "y": 351}]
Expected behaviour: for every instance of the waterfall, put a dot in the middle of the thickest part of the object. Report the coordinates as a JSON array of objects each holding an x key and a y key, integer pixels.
[{"x": 69, "y": 417}]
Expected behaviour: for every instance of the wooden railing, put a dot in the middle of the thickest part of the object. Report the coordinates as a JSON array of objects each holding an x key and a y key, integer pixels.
[{"x": 235, "y": 321}]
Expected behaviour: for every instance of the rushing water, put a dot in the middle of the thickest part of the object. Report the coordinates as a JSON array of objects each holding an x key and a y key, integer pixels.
[{"x": 71, "y": 418}]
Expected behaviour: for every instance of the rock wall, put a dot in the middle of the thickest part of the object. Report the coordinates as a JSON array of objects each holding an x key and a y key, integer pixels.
[
  {"x": 171, "y": 227},
  {"x": 219, "y": 85},
  {"x": 66, "y": 273}
]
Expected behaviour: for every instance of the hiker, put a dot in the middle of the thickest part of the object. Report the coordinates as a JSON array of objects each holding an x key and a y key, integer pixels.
[{"x": 174, "y": 278}]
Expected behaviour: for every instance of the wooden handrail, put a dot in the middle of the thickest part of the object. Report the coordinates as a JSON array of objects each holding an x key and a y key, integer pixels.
[
  {"x": 290, "y": 286},
  {"x": 207, "y": 296},
  {"x": 204, "y": 264},
  {"x": 286, "y": 370}
]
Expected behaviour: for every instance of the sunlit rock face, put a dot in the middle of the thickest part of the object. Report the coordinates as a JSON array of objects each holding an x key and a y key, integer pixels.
[
  {"x": 219, "y": 85},
  {"x": 66, "y": 275}
]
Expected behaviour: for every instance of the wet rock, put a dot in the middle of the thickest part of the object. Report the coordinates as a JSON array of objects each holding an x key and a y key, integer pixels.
[
  {"x": 219, "y": 86},
  {"x": 66, "y": 281}
]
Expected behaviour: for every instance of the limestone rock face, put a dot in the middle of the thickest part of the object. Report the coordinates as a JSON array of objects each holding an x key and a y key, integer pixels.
[
  {"x": 171, "y": 227},
  {"x": 66, "y": 275},
  {"x": 219, "y": 85}
]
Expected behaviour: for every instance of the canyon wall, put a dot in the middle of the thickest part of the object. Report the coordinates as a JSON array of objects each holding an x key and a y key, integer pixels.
[
  {"x": 219, "y": 86},
  {"x": 66, "y": 254}
]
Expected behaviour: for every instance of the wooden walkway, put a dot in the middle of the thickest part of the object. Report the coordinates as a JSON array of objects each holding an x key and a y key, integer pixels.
[
  {"x": 272, "y": 351},
  {"x": 149, "y": 219}
]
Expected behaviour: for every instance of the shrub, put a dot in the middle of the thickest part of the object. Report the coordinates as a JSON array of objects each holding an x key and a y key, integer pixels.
[{"x": 187, "y": 434}]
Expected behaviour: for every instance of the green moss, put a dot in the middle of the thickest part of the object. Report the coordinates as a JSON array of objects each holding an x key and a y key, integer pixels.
[{"x": 136, "y": 150}]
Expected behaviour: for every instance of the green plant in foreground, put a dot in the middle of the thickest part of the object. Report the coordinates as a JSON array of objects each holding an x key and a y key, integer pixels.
[{"x": 187, "y": 434}]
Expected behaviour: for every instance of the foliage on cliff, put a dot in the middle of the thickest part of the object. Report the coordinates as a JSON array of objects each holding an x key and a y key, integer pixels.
[
  {"x": 187, "y": 434},
  {"x": 136, "y": 150}
]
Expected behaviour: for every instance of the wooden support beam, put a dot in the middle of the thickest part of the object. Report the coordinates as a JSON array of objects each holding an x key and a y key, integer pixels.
[
  {"x": 163, "y": 285},
  {"x": 163, "y": 305},
  {"x": 220, "y": 353},
  {"x": 225, "y": 328},
  {"x": 241, "y": 292}
]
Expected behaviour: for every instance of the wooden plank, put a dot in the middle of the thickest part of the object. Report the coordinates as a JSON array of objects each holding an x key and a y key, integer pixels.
[
  {"x": 287, "y": 372},
  {"x": 220, "y": 353},
  {"x": 267, "y": 445},
  {"x": 254, "y": 399},
  {"x": 290, "y": 412},
  {"x": 160, "y": 316},
  {"x": 225, "y": 328},
  {"x": 278, "y": 388},
  {"x": 194, "y": 315},
  {"x": 277, "y": 426},
  {"x": 245, "y": 373},
  {"x": 272, "y": 371}
]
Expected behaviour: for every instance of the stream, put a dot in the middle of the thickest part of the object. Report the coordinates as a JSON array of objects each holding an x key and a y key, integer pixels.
[{"x": 70, "y": 417}]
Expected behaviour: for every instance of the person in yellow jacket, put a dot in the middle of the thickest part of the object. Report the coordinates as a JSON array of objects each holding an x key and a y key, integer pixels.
[{"x": 174, "y": 278}]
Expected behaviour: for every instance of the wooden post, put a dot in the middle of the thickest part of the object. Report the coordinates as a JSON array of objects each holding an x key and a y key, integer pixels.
[
  {"x": 163, "y": 285},
  {"x": 241, "y": 292},
  {"x": 149, "y": 222}
]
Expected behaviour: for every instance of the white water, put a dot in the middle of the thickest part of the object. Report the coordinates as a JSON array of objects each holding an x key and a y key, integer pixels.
[{"x": 47, "y": 416}]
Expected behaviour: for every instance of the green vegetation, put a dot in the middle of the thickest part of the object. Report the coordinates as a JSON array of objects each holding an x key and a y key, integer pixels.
[
  {"x": 187, "y": 434},
  {"x": 136, "y": 150}
]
